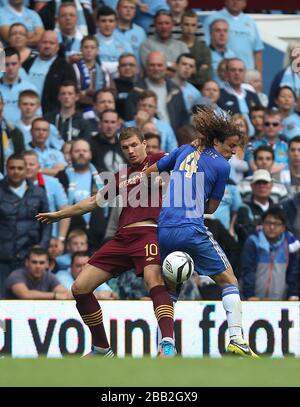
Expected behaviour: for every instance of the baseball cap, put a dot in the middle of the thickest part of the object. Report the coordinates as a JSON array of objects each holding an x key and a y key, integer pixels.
[{"x": 261, "y": 175}]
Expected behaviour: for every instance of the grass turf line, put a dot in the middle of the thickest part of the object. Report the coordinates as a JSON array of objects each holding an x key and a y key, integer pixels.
[{"x": 126, "y": 372}]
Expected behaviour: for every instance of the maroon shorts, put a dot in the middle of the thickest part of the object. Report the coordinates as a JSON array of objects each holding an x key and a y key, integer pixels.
[{"x": 134, "y": 247}]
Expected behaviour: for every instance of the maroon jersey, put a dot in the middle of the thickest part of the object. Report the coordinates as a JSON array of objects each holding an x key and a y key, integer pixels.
[{"x": 139, "y": 202}]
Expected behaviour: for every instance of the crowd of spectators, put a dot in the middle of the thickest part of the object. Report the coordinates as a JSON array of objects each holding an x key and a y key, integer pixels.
[{"x": 76, "y": 73}]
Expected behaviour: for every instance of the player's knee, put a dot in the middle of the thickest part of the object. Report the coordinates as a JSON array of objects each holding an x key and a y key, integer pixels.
[
  {"x": 233, "y": 280},
  {"x": 78, "y": 288},
  {"x": 225, "y": 278},
  {"x": 230, "y": 279},
  {"x": 153, "y": 276},
  {"x": 75, "y": 289},
  {"x": 154, "y": 281}
]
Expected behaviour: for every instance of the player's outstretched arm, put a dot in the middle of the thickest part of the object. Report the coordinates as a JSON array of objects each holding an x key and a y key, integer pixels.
[{"x": 82, "y": 207}]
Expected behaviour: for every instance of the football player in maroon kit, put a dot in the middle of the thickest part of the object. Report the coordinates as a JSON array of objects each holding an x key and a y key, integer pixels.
[{"x": 134, "y": 245}]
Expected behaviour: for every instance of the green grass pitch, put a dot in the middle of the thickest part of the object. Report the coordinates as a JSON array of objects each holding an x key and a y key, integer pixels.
[{"x": 127, "y": 372}]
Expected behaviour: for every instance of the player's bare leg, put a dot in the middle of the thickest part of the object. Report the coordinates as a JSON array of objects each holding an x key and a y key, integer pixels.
[
  {"x": 89, "y": 308},
  {"x": 233, "y": 308},
  {"x": 163, "y": 308}
]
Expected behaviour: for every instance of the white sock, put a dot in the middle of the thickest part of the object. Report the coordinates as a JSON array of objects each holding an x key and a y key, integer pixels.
[
  {"x": 167, "y": 339},
  {"x": 233, "y": 308}
]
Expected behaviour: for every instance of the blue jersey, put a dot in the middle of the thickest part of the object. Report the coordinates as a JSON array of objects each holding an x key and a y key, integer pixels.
[
  {"x": 291, "y": 125},
  {"x": 49, "y": 156},
  {"x": 195, "y": 179},
  {"x": 191, "y": 96},
  {"x": 244, "y": 38},
  {"x": 110, "y": 50},
  {"x": 280, "y": 148},
  {"x": 57, "y": 198},
  {"x": 231, "y": 202},
  {"x": 292, "y": 79},
  {"x": 38, "y": 72},
  {"x": 71, "y": 45},
  {"x": 217, "y": 57},
  {"x": 135, "y": 36},
  {"x": 10, "y": 94},
  {"x": 27, "y": 17}
]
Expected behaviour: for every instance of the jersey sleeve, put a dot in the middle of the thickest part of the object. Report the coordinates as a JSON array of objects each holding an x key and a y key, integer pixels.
[
  {"x": 171, "y": 139},
  {"x": 221, "y": 181},
  {"x": 167, "y": 162},
  {"x": 36, "y": 20},
  {"x": 3, "y": 18},
  {"x": 15, "y": 278},
  {"x": 59, "y": 194},
  {"x": 236, "y": 198},
  {"x": 60, "y": 159},
  {"x": 258, "y": 44}
]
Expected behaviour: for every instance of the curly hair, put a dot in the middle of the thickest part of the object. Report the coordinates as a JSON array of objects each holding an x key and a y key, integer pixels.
[{"x": 213, "y": 126}]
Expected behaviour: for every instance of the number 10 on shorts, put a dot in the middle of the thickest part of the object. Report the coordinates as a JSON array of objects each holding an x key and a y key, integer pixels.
[{"x": 151, "y": 249}]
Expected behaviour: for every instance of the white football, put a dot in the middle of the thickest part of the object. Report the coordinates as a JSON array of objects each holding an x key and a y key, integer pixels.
[{"x": 178, "y": 267}]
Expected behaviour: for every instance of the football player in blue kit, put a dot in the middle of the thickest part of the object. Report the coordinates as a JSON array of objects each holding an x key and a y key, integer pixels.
[{"x": 199, "y": 173}]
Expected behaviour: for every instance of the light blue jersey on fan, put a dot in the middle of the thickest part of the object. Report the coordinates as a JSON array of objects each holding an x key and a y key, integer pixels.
[
  {"x": 196, "y": 177},
  {"x": 244, "y": 38}
]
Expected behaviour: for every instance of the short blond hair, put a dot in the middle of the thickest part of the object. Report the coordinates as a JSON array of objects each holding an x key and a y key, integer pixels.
[
  {"x": 76, "y": 233},
  {"x": 129, "y": 1}
]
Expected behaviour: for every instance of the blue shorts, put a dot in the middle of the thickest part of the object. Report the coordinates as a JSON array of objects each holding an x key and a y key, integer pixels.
[{"x": 199, "y": 243}]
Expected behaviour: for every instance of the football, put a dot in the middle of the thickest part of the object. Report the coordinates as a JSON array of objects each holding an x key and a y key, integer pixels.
[{"x": 178, "y": 267}]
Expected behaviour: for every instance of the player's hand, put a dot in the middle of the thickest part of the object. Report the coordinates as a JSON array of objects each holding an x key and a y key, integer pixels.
[{"x": 48, "y": 217}]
